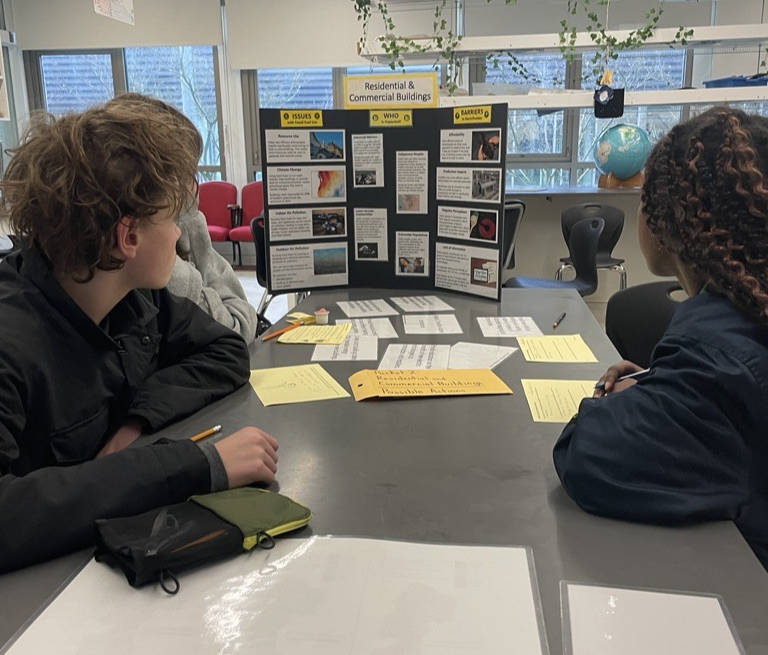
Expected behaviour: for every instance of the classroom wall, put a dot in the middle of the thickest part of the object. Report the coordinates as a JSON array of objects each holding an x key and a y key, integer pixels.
[{"x": 72, "y": 24}]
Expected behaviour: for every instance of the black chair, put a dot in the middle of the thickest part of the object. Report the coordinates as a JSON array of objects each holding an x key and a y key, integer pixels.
[
  {"x": 513, "y": 216},
  {"x": 636, "y": 318},
  {"x": 614, "y": 224},
  {"x": 259, "y": 238},
  {"x": 582, "y": 245}
]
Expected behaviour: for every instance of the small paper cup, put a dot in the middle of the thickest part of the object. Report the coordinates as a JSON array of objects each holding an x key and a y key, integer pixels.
[{"x": 321, "y": 316}]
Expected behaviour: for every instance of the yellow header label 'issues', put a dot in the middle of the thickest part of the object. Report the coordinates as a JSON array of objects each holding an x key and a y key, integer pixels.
[{"x": 301, "y": 118}]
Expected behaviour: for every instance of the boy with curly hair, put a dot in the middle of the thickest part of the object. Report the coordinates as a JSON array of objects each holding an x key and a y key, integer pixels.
[{"x": 93, "y": 350}]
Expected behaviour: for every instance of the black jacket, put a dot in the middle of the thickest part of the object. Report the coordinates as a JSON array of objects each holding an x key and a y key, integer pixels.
[
  {"x": 66, "y": 385},
  {"x": 689, "y": 442}
]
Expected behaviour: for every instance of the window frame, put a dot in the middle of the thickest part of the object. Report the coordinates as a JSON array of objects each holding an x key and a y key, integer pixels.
[{"x": 33, "y": 71}]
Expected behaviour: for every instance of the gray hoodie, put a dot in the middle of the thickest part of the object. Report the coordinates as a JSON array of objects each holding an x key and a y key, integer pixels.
[{"x": 208, "y": 280}]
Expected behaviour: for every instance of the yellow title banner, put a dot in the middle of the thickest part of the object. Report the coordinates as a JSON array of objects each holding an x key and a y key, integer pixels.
[
  {"x": 391, "y": 118},
  {"x": 397, "y": 91},
  {"x": 301, "y": 118},
  {"x": 417, "y": 383},
  {"x": 479, "y": 114}
]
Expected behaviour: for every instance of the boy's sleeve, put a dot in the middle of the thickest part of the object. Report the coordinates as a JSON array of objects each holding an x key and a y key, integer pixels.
[
  {"x": 51, "y": 511},
  {"x": 200, "y": 361},
  {"x": 670, "y": 449}
]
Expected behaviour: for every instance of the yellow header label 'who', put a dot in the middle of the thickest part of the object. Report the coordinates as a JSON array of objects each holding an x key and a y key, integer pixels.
[
  {"x": 391, "y": 118},
  {"x": 301, "y": 118},
  {"x": 462, "y": 115}
]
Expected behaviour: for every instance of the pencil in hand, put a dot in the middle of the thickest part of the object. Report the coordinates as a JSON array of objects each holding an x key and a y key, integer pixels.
[{"x": 206, "y": 433}]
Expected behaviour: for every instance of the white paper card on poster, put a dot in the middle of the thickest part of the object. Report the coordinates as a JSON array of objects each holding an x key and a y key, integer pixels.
[
  {"x": 609, "y": 620},
  {"x": 319, "y": 595}
]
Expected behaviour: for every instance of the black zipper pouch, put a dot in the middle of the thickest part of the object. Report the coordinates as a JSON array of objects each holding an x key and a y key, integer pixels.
[{"x": 157, "y": 545}]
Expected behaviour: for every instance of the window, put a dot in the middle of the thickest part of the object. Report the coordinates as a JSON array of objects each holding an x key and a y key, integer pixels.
[
  {"x": 185, "y": 77},
  {"x": 296, "y": 88},
  {"x": 74, "y": 82}
]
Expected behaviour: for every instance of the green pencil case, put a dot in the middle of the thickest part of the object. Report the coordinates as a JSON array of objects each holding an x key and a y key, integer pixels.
[
  {"x": 156, "y": 545},
  {"x": 259, "y": 514}
]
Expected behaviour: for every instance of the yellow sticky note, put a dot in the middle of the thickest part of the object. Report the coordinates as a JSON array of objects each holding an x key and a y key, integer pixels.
[
  {"x": 322, "y": 334},
  {"x": 562, "y": 348},
  {"x": 556, "y": 401},
  {"x": 419, "y": 383},
  {"x": 295, "y": 384},
  {"x": 300, "y": 317}
]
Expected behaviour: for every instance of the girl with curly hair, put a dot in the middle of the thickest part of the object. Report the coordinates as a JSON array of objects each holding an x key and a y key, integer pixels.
[{"x": 689, "y": 441}]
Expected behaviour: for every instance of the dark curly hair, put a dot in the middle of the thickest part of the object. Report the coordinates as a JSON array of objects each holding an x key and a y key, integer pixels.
[
  {"x": 705, "y": 199},
  {"x": 73, "y": 178}
]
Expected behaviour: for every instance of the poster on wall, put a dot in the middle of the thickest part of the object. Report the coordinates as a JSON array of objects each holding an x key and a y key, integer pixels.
[
  {"x": 121, "y": 10},
  {"x": 356, "y": 198}
]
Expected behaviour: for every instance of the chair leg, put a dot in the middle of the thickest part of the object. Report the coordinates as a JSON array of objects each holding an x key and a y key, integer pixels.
[
  {"x": 559, "y": 271},
  {"x": 623, "y": 272},
  {"x": 266, "y": 298}
]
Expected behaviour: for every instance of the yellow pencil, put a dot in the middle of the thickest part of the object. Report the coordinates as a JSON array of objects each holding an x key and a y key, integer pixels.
[
  {"x": 206, "y": 433},
  {"x": 277, "y": 333}
]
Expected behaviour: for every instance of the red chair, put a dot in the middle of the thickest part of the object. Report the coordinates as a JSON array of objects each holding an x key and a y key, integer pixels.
[
  {"x": 218, "y": 202},
  {"x": 252, "y": 206}
]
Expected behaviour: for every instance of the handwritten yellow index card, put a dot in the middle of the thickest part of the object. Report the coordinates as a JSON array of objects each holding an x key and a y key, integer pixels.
[
  {"x": 565, "y": 349},
  {"x": 418, "y": 383},
  {"x": 556, "y": 401},
  {"x": 325, "y": 334},
  {"x": 295, "y": 384}
]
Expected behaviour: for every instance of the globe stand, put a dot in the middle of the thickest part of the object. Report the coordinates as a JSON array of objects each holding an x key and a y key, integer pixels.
[{"x": 610, "y": 181}]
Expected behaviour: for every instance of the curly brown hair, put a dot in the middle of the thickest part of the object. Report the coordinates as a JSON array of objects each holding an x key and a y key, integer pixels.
[
  {"x": 705, "y": 199},
  {"x": 73, "y": 178}
]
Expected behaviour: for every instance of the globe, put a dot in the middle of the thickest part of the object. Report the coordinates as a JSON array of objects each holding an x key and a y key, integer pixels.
[{"x": 622, "y": 150}]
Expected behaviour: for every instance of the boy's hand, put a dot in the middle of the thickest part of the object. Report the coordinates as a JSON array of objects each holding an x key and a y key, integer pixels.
[{"x": 249, "y": 455}]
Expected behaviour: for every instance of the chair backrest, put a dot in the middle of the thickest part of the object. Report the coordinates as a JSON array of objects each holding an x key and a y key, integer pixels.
[
  {"x": 513, "y": 216},
  {"x": 582, "y": 247},
  {"x": 215, "y": 200},
  {"x": 636, "y": 318},
  {"x": 613, "y": 217},
  {"x": 259, "y": 238},
  {"x": 252, "y": 201}
]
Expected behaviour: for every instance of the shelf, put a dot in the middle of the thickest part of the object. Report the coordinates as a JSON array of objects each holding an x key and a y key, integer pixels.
[
  {"x": 585, "y": 99},
  {"x": 704, "y": 36}
]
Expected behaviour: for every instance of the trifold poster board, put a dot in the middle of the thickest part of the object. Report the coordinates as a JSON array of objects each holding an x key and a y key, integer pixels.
[{"x": 402, "y": 199}]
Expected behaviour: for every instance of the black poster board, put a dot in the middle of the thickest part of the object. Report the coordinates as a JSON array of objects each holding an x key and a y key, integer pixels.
[{"x": 408, "y": 199}]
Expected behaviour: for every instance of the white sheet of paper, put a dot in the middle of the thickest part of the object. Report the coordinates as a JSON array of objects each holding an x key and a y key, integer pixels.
[
  {"x": 431, "y": 324},
  {"x": 415, "y": 356},
  {"x": 609, "y": 620},
  {"x": 508, "y": 326},
  {"x": 478, "y": 355},
  {"x": 354, "y": 349},
  {"x": 421, "y": 304},
  {"x": 371, "y": 327},
  {"x": 367, "y": 308},
  {"x": 321, "y": 595}
]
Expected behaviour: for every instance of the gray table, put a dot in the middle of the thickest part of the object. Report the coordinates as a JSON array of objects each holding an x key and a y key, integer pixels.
[{"x": 473, "y": 470}]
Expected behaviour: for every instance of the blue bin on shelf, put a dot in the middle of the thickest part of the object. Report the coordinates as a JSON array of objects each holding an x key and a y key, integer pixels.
[{"x": 738, "y": 80}]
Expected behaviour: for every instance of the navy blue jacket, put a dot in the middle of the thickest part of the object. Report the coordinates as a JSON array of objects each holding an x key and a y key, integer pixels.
[
  {"x": 66, "y": 385},
  {"x": 689, "y": 442}
]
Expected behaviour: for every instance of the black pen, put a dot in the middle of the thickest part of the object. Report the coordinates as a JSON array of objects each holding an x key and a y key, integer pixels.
[
  {"x": 558, "y": 319},
  {"x": 630, "y": 376}
]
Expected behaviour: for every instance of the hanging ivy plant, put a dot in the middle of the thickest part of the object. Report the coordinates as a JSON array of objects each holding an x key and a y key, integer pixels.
[
  {"x": 607, "y": 45},
  {"x": 445, "y": 42}
]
